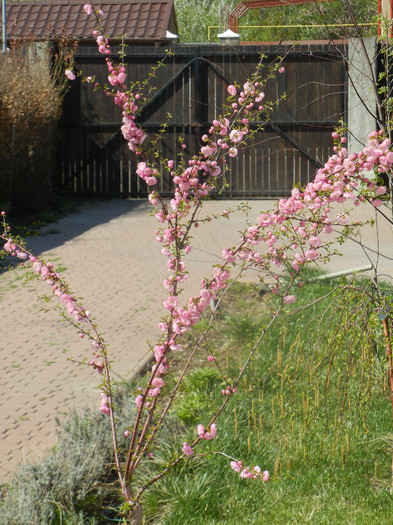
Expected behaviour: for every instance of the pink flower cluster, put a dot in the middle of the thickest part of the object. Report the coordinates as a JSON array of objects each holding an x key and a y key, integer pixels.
[
  {"x": 133, "y": 135},
  {"x": 183, "y": 318},
  {"x": 198, "y": 179},
  {"x": 228, "y": 390},
  {"x": 250, "y": 97},
  {"x": 289, "y": 299},
  {"x": 104, "y": 407},
  {"x": 149, "y": 175},
  {"x": 117, "y": 74},
  {"x": 291, "y": 233},
  {"x": 12, "y": 248},
  {"x": 187, "y": 450},
  {"x": 207, "y": 434},
  {"x": 102, "y": 43},
  {"x": 249, "y": 473},
  {"x": 99, "y": 366}
]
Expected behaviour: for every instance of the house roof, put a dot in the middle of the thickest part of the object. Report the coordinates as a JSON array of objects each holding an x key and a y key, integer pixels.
[{"x": 142, "y": 21}]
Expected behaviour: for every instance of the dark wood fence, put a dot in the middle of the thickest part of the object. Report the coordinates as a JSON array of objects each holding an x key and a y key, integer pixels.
[{"x": 94, "y": 158}]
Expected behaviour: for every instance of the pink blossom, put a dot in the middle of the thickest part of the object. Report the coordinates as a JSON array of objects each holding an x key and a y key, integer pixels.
[
  {"x": 246, "y": 473},
  {"x": 381, "y": 190},
  {"x": 112, "y": 80},
  {"x": 281, "y": 70},
  {"x": 154, "y": 392},
  {"x": 212, "y": 433},
  {"x": 37, "y": 266},
  {"x": 44, "y": 271},
  {"x": 288, "y": 299},
  {"x": 187, "y": 450},
  {"x": 228, "y": 256},
  {"x": 315, "y": 242},
  {"x": 158, "y": 382},
  {"x": 236, "y": 135},
  {"x": 121, "y": 77},
  {"x": 151, "y": 181},
  {"x": 200, "y": 430},
  {"x": 69, "y": 74},
  {"x": 88, "y": 9},
  {"x": 232, "y": 90},
  {"x": 248, "y": 88},
  {"x": 343, "y": 219},
  {"x": 171, "y": 302},
  {"x": 204, "y": 434},
  {"x": 95, "y": 345},
  {"x": 207, "y": 151},
  {"x": 311, "y": 255},
  {"x": 211, "y": 358},
  {"x": 260, "y": 97},
  {"x": 9, "y": 247},
  {"x": 251, "y": 473},
  {"x": 236, "y": 465},
  {"x": 104, "y": 408}
]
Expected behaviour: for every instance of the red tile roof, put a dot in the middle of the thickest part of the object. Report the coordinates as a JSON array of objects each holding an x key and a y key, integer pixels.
[{"x": 136, "y": 20}]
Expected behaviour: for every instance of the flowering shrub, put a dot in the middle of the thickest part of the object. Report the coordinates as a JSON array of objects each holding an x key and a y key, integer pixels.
[{"x": 283, "y": 241}]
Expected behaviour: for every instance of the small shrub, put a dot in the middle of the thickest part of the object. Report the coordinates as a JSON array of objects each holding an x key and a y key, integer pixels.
[
  {"x": 28, "y": 124},
  {"x": 69, "y": 482}
]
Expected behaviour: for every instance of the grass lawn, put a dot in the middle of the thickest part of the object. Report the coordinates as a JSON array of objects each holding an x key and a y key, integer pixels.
[{"x": 313, "y": 409}]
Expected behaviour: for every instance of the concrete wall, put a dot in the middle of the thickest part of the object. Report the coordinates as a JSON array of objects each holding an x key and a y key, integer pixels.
[{"x": 361, "y": 98}]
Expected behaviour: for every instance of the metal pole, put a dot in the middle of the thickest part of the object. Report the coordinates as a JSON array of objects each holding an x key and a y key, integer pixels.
[{"x": 4, "y": 35}]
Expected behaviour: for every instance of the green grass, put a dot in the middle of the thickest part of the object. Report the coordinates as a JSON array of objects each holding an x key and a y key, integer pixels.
[{"x": 313, "y": 409}]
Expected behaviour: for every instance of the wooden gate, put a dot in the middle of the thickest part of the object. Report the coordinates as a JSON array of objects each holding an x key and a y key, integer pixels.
[{"x": 94, "y": 158}]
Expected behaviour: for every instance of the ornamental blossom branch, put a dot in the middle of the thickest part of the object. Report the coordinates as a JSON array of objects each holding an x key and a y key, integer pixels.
[{"x": 288, "y": 237}]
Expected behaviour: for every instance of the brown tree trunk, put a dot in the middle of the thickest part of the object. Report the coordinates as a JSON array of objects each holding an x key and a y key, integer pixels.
[{"x": 136, "y": 515}]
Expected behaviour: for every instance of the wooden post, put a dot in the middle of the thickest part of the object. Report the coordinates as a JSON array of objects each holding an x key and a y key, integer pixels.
[{"x": 385, "y": 8}]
